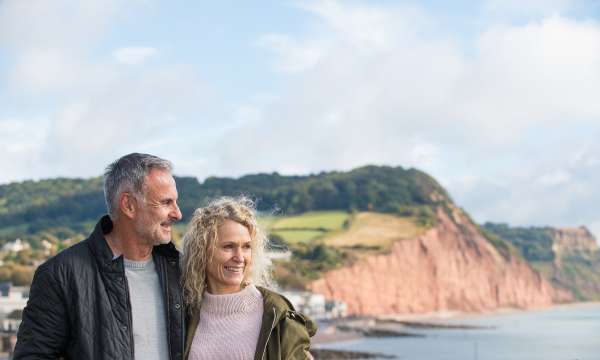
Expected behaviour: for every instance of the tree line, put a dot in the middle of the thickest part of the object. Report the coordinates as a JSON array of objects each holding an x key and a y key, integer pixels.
[{"x": 33, "y": 206}]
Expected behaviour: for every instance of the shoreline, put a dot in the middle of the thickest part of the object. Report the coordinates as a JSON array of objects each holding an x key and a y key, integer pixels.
[{"x": 329, "y": 331}]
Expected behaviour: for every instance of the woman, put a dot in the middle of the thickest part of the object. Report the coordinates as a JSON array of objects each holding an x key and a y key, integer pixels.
[{"x": 232, "y": 316}]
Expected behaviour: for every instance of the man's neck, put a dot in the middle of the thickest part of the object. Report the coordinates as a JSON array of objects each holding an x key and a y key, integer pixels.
[{"x": 128, "y": 244}]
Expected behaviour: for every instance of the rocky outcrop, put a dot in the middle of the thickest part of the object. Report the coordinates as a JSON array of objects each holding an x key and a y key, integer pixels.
[
  {"x": 451, "y": 267},
  {"x": 573, "y": 241},
  {"x": 576, "y": 264}
]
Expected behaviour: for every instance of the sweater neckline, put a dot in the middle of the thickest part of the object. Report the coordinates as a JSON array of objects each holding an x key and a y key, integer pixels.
[
  {"x": 225, "y": 304},
  {"x": 138, "y": 265}
]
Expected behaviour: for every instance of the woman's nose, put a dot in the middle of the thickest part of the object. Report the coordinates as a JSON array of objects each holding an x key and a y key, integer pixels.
[{"x": 238, "y": 255}]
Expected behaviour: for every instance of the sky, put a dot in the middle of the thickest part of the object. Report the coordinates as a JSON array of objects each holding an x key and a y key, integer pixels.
[{"x": 497, "y": 99}]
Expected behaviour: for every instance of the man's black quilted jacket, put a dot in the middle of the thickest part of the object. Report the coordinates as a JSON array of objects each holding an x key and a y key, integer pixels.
[{"x": 79, "y": 306}]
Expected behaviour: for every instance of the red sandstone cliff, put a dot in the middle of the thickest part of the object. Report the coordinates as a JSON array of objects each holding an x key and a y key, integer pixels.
[{"x": 450, "y": 267}]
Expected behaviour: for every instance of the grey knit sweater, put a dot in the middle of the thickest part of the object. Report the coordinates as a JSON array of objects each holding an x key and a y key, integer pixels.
[{"x": 147, "y": 310}]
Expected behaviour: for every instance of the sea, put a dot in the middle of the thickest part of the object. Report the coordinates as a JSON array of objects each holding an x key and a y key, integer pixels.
[{"x": 560, "y": 333}]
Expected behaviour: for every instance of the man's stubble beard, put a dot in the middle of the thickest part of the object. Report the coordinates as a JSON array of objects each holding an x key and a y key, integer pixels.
[{"x": 151, "y": 234}]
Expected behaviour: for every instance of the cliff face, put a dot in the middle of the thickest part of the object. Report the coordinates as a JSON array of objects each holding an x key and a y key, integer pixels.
[
  {"x": 450, "y": 267},
  {"x": 573, "y": 241},
  {"x": 577, "y": 262}
]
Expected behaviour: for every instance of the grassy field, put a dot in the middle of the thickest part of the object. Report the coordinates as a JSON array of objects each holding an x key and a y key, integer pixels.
[
  {"x": 265, "y": 222},
  {"x": 329, "y": 220},
  {"x": 297, "y": 236},
  {"x": 375, "y": 230},
  {"x": 307, "y": 227},
  {"x": 337, "y": 229},
  {"x": 294, "y": 229},
  {"x": 343, "y": 230}
]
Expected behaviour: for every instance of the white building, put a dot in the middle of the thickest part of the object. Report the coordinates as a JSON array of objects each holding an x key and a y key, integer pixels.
[
  {"x": 16, "y": 246},
  {"x": 315, "y": 305},
  {"x": 48, "y": 246},
  {"x": 336, "y": 309},
  {"x": 279, "y": 255},
  {"x": 12, "y": 300}
]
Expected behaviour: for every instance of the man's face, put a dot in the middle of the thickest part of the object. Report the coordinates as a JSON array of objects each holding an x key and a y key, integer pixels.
[{"x": 157, "y": 210}]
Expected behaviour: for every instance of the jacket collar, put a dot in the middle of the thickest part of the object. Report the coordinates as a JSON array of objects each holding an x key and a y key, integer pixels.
[{"x": 104, "y": 254}]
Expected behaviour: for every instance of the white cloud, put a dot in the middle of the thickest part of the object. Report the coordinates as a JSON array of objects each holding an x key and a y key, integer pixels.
[
  {"x": 424, "y": 154},
  {"x": 21, "y": 145},
  {"x": 134, "y": 55},
  {"x": 389, "y": 89},
  {"x": 94, "y": 109},
  {"x": 367, "y": 28},
  {"x": 565, "y": 194},
  {"x": 145, "y": 111},
  {"x": 54, "y": 24},
  {"x": 537, "y": 74},
  {"x": 559, "y": 177},
  {"x": 44, "y": 70},
  {"x": 47, "y": 42},
  {"x": 506, "y": 119},
  {"x": 512, "y": 8},
  {"x": 291, "y": 57}
]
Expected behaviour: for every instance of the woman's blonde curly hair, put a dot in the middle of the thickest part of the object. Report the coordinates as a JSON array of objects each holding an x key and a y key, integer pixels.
[{"x": 200, "y": 241}]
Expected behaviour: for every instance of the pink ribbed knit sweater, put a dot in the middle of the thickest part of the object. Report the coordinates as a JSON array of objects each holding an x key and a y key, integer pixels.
[{"x": 229, "y": 326}]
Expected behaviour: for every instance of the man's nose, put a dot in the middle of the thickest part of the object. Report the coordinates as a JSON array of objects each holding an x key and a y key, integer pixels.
[{"x": 176, "y": 212}]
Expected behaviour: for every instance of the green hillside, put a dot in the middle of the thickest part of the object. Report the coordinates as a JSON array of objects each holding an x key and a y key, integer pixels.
[
  {"x": 325, "y": 220},
  {"x": 32, "y": 207},
  {"x": 578, "y": 272},
  {"x": 308, "y": 209},
  {"x": 534, "y": 243}
]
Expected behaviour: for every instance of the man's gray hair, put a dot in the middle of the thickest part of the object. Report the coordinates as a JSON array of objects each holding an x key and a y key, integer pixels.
[{"x": 127, "y": 174}]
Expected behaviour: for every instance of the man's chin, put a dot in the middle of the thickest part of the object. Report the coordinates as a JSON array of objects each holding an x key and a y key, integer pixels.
[
  {"x": 161, "y": 240},
  {"x": 164, "y": 241}
]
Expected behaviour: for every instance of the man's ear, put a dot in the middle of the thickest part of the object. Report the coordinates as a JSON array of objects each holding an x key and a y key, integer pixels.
[{"x": 127, "y": 204}]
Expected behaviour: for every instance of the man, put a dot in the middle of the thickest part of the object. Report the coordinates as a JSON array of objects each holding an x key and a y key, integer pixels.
[{"x": 115, "y": 295}]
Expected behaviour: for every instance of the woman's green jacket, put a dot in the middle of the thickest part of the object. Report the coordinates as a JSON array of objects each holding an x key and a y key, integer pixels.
[{"x": 284, "y": 333}]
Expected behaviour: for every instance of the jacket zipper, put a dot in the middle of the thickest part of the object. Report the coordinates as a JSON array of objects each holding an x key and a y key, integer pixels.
[
  {"x": 129, "y": 316},
  {"x": 163, "y": 283},
  {"x": 270, "y": 331}
]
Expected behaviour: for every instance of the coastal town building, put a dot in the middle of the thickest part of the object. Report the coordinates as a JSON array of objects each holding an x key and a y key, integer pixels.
[
  {"x": 316, "y": 305},
  {"x": 279, "y": 255},
  {"x": 12, "y": 301},
  {"x": 16, "y": 245}
]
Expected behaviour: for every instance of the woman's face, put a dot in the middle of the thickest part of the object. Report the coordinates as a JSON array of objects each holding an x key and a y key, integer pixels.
[{"x": 231, "y": 259}]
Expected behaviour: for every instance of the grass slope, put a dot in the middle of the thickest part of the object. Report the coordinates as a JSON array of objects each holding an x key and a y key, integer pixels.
[
  {"x": 375, "y": 230},
  {"x": 321, "y": 241},
  {"x": 309, "y": 226}
]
